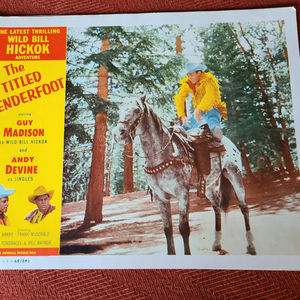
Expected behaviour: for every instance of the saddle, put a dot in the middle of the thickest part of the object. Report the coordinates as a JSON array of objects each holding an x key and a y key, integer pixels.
[
  {"x": 212, "y": 145},
  {"x": 200, "y": 147}
]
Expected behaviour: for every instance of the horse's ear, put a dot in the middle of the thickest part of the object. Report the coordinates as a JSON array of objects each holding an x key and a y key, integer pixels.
[{"x": 143, "y": 101}]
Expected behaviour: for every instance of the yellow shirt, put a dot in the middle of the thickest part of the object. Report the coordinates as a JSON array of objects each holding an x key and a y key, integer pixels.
[
  {"x": 206, "y": 95},
  {"x": 37, "y": 218}
]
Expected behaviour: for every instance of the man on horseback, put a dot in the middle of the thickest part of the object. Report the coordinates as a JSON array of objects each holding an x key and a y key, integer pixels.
[
  {"x": 169, "y": 166},
  {"x": 209, "y": 110}
]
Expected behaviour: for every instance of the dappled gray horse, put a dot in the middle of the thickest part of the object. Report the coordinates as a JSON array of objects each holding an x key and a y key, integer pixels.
[{"x": 169, "y": 168}]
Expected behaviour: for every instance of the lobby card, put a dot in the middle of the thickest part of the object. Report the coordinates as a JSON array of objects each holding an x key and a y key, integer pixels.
[{"x": 91, "y": 122}]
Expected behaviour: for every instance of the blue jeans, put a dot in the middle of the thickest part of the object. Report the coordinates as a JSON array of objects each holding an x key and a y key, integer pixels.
[{"x": 212, "y": 118}]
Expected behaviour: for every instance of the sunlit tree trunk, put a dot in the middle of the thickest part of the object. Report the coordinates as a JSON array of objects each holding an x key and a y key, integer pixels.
[{"x": 93, "y": 213}]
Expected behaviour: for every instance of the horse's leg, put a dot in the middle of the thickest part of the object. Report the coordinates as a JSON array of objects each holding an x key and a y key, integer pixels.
[
  {"x": 213, "y": 195},
  {"x": 164, "y": 207},
  {"x": 218, "y": 234},
  {"x": 184, "y": 227},
  {"x": 236, "y": 179},
  {"x": 250, "y": 248}
]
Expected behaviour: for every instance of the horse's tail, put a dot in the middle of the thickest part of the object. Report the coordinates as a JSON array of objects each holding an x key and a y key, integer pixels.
[{"x": 226, "y": 192}]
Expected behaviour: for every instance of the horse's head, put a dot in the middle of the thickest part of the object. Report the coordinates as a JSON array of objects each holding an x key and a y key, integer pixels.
[{"x": 130, "y": 118}]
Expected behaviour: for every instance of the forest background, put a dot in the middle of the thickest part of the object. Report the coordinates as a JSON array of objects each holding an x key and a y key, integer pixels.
[{"x": 108, "y": 67}]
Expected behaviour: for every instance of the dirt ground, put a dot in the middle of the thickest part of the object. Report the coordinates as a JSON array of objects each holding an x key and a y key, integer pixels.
[{"x": 131, "y": 224}]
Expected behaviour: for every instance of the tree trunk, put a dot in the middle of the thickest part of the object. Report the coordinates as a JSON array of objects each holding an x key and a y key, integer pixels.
[
  {"x": 178, "y": 44},
  {"x": 128, "y": 169},
  {"x": 281, "y": 25},
  {"x": 284, "y": 142},
  {"x": 103, "y": 75},
  {"x": 107, "y": 183},
  {"x": 179, "y": 51},
  {"x": 138, "y": 182},
  {"x": 268, "y": 162},
  {"x": 286, "y": 153},
  {"x": 288, "y": 161},
  {"x": 282, "y": 170},
  {"x": 93, "y": 213},
  {"x": 247, "y": 165}
]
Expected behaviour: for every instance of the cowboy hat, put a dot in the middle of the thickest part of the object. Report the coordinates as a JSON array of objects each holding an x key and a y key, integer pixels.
[
  {"x": 193, "y": 67},
  {"x": 39, "y": 191},
  {"x": 5, "y": 192}
]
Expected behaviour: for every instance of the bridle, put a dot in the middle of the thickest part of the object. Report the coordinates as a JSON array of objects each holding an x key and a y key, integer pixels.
[
  {"x": 132, "y": 130},
  {"x": 133, "y": 126},
  {"x": 165, "y": 164}
]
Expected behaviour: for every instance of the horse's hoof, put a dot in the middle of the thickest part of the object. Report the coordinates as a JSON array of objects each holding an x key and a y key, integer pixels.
[
  {"x": 216, "y": 247},
  {"x": 223, "y": 252},
  {"x": 251, "y": 250}
]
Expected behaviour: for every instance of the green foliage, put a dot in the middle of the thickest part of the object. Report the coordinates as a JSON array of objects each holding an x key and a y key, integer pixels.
[
  {"x": 246, "y": 58},
  {"x": 139, "y": 60},
  {"x": 255, "y": 84}
]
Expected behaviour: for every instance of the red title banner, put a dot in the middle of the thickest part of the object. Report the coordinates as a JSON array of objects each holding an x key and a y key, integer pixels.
[{"x": 34, "y": 43}]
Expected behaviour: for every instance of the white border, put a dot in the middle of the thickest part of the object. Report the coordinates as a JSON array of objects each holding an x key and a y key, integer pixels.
[
  {"x": 235, "y": 262},
  {"x": 245, "y": 262}
]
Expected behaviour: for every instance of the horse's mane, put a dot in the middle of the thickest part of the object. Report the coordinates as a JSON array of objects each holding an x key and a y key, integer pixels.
[
  {"x": 174, "y": 133},
  {"x": 159, "y": 125}
]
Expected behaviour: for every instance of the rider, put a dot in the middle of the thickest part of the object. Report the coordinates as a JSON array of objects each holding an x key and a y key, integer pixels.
[{"x": 206, "y": 99}]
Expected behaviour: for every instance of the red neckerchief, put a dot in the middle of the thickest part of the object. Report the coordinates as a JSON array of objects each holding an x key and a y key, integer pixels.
[{"x": 192, "y": 85}]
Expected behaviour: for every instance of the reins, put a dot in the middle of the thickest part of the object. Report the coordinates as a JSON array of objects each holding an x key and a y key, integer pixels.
[
  {"x": 132, "y": 130},
  {"x": 173, "y": 161},
  {"x": 162, "y": 150}
]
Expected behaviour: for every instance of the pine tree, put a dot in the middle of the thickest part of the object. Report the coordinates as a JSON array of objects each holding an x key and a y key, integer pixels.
[
  {"x": 139, "y": 60},
  {"x": 250, "y": 62}
]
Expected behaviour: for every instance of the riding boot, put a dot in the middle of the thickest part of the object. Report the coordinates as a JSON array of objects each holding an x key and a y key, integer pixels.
[
  {"x": 202, "y": 159},
  {"x": 217, "y": 136}
]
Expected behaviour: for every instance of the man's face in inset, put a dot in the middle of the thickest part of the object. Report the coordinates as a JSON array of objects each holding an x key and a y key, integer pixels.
[
  {"x": 3, "y": 204},
  {"x": 42, "y": 202}
]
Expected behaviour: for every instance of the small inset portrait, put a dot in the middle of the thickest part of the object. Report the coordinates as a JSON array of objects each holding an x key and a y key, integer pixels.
[
  {"x": 41, "y": 198},
  {"x": 4, "y": 194}
]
